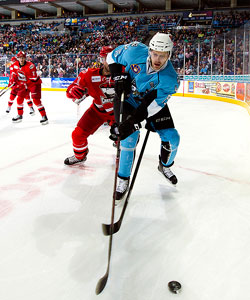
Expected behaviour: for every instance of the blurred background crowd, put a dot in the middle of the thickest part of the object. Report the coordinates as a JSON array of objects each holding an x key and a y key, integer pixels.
[{"x": 58, "y": 49}]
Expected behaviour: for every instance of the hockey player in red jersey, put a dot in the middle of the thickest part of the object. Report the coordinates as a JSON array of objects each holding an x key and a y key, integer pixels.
[
  {"x": 25, "y": 78},
  {"x": 95, "y": 82},
  {"x": 14, "y": 91}
]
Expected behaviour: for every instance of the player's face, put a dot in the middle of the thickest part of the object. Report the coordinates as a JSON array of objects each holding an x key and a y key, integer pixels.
[
  {"x": 21, "y": 60},
  {"x": 158, "y": 59},
  {"x": 106, "y": 70}
]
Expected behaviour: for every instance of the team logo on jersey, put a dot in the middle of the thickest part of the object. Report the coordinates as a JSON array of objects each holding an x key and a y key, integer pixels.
[
  {"x": 31, "y": 67},
  {"x": 108, "y": 92},
  {"x": 96, "y": 79},
  {"x": 135, "y": 68}
]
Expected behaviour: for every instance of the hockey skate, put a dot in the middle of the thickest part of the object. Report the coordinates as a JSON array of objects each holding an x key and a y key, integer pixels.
[
  {"x": 72, "y": 160},
  {"x": 121, "y": 188},
  {"x": 168, "y": 174},
  {"x": 8, "y": 109},
  {"x": 44, "y": 120},
  {"x": 17, "y": 119},
  {"x": 32, "y": 111}
]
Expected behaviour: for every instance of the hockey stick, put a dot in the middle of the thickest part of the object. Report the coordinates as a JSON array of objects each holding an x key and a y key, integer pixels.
[
  {"x": 5, "y": 89},
  {"x": 102, "y": 281},
  {"x": 110, "y": 229},
  {"x": 78, "y": 111}
]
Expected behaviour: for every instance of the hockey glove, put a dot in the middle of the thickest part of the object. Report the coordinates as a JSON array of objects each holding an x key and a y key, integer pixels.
[
  {"x": 114, "y": 132},
  {"x": 10, "y": 84},
  {"x": 141, "y": 112},
  {"x": 13, "y": 79},
  {"x": 122, "y": 84},
  {"x": 128, "y": 127},
  {"x": 124, "y": 130},
  {"x": 76, "y": 93}
]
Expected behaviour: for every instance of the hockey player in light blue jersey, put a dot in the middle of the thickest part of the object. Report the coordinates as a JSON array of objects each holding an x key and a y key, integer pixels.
[{"x": 148, "y": 79}]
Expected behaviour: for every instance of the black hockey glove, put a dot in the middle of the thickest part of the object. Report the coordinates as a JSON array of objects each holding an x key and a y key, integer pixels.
[
  {"x": 141, "y": 112},
  {"x": 128, "y": 127},
  {"x": 124, "y": 130},
  {"x": 122, "y": 84},
  {"x": 114, "y": 132}
]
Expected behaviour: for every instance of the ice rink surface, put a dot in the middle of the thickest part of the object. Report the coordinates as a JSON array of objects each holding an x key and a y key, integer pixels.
[{"x": 52, "y": 246}]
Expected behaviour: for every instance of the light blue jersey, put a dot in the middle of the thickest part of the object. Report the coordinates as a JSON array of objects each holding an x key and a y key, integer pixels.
[{"x": 135, "y": 58}]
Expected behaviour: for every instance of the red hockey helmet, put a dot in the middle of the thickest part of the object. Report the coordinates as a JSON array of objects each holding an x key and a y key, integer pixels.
[
  {"x": 21, "y": 54},
  {"x": 13, "y": 59},
  {"x": 105, "y": 50}
]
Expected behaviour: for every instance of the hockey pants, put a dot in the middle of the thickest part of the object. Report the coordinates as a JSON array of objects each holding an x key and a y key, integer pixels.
[{"x": 91, "y": 120}]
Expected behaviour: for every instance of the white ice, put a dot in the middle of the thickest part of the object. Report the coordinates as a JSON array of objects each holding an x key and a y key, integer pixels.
[{"x": 198, "y": 233}]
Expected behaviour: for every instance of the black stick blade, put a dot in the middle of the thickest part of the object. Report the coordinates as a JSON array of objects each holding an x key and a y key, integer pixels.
[
  {"x": 101, "y": 284},
  {"x": 107, "y": 228}
]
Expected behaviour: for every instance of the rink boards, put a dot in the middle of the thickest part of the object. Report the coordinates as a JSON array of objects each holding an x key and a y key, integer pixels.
[{"x": 218, "y": 88}]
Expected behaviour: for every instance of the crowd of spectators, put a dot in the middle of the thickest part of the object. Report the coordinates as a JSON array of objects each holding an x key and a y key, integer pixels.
[
  {"x": 91, "y": 26},
  {"x": 198, "y": 50},
  {"x": 64, "y": 53},
  {"x": 210, "y": 51},
  {"x": 232, "y": 19}
]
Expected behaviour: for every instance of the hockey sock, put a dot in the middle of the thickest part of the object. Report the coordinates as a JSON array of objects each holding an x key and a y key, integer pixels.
[
  {"x": 29, "y": 102},
  {"x": 165, "y": 152},
  {"x": 41, "y": 110}
]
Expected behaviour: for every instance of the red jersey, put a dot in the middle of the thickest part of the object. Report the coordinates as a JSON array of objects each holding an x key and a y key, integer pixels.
[
  {"x": 26, "y": 73},
  {"x": 11, "y": 74},
  {"x": 11, "y": 68},
  {"x": 98, "y": 86}
]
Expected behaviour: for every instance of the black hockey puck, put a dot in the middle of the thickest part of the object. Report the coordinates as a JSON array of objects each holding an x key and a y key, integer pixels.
[{"x": 174, "y": 287}]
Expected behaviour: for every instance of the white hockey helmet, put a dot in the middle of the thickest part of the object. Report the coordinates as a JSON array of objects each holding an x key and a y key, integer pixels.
[{"x": 161, "y": 42}]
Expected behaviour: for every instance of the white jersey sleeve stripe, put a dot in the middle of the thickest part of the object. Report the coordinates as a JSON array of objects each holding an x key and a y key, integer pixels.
[
  {"x": 153, "y": 108},
  {"x": 109, "y": 58}
]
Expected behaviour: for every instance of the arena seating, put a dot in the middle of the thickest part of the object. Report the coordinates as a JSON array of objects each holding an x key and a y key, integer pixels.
[{"x": 64, "y": 53}]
